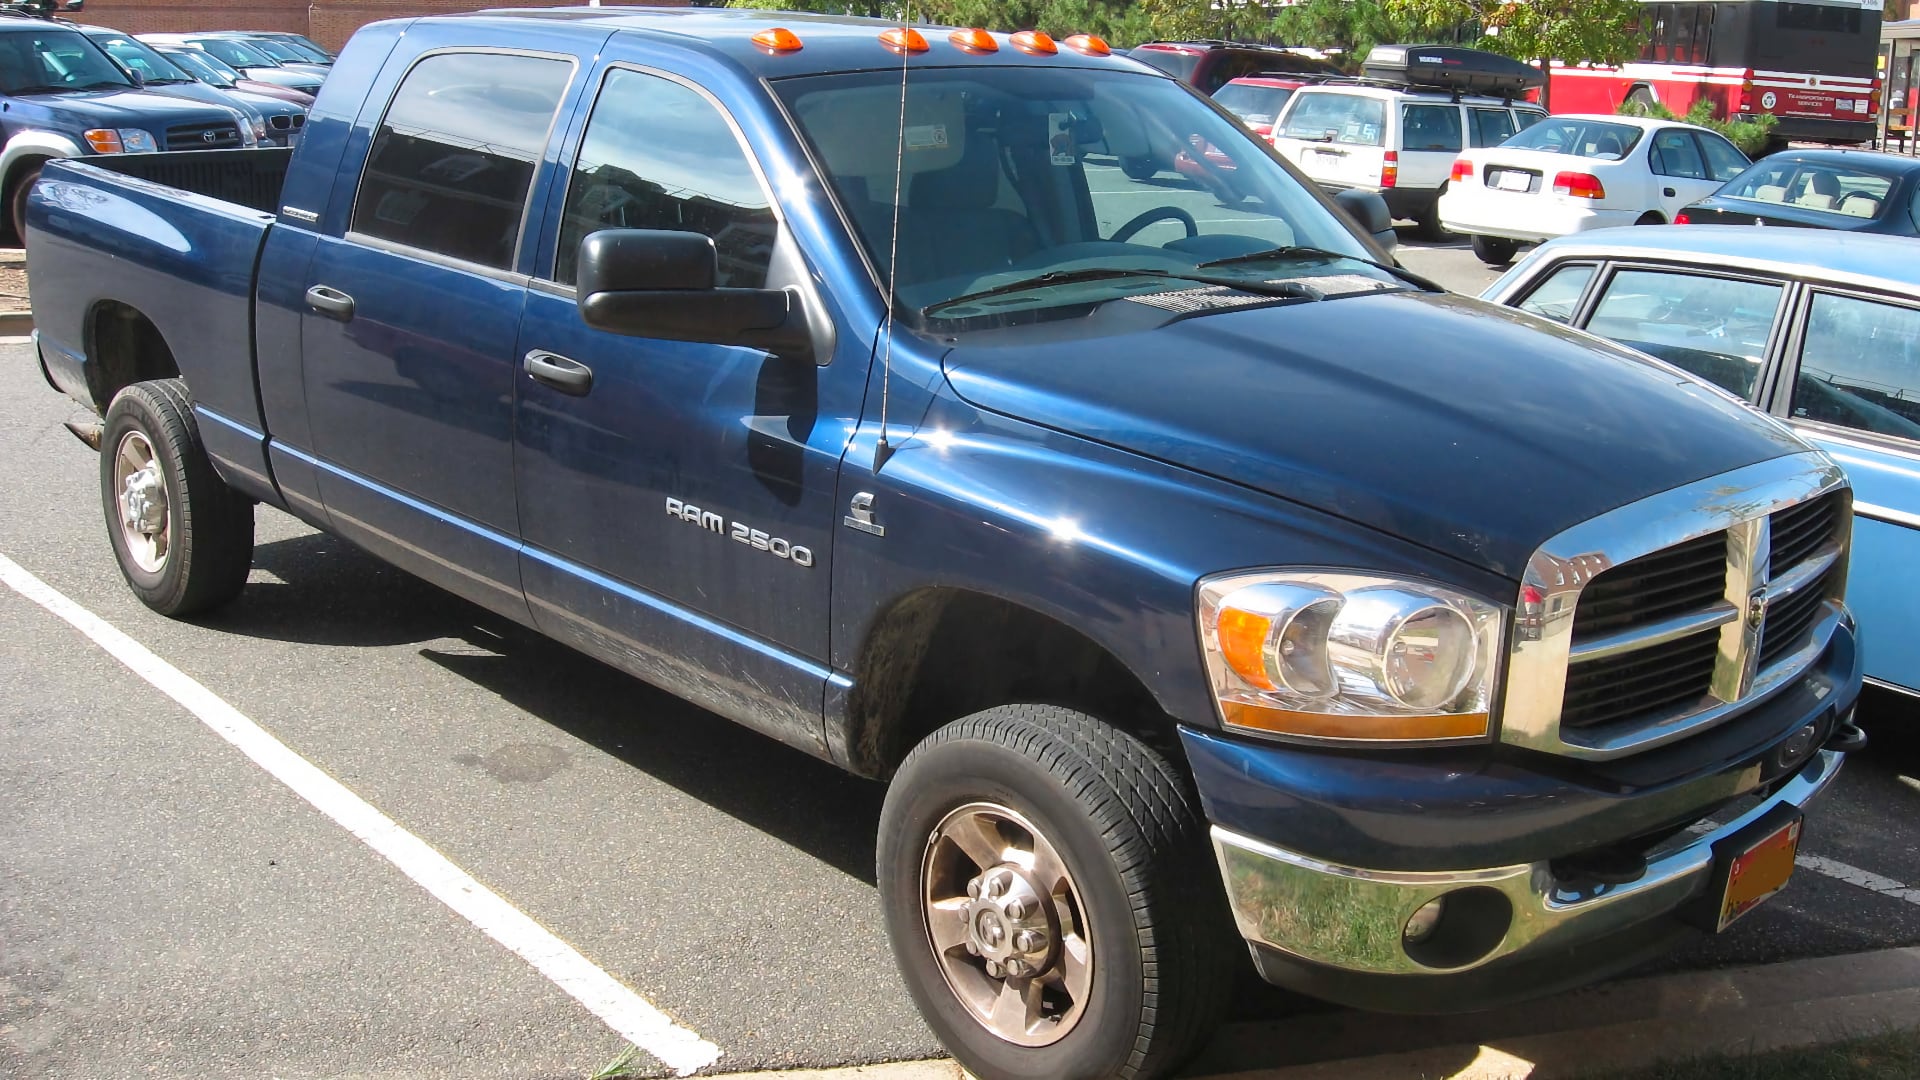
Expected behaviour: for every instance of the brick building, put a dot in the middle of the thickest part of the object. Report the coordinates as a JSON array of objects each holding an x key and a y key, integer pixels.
[{"x": 330, "y": 22}]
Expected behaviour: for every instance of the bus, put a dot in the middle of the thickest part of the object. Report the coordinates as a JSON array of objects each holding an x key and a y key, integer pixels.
[{"x": 1811, "y": 63}]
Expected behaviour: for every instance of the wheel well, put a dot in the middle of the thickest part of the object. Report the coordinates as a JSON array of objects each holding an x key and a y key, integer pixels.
[
  {"x": 1651, "y": 217},
  {"x": 123, "y": 347},
  {"x": 940, "y": 654},
  {"x": 19, "y": 170}
]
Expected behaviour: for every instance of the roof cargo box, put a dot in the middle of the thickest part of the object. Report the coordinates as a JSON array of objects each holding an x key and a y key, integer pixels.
[{"x": 1450, "y": 67}]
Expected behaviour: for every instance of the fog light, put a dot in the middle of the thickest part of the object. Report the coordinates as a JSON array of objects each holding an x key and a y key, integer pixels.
[{"x": 1420, "y": 926}]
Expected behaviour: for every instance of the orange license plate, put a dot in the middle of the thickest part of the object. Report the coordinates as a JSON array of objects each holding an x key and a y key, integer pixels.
[{"x": 1755, "y": 874}]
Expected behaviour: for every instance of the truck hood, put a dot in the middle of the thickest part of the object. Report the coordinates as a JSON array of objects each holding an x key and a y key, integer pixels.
[
  {"x": 1471, "y": 429},
  {"x": 132, "y": 109}
]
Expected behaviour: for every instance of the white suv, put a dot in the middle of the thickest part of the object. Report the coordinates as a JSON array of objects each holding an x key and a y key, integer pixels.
[{"x": 1397, "y": 139}]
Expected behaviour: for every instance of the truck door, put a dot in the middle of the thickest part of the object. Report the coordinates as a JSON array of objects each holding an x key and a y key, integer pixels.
[
  {"x": 411, "y": 317},
  {"x": 677, "y": 499}
]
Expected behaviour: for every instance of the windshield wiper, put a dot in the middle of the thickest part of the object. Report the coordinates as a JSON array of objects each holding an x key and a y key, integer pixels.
[
  {"x": 1298, "y": 253},
  {"x": 1098, "y": 273},
  {"x": 41, "y": 88}
]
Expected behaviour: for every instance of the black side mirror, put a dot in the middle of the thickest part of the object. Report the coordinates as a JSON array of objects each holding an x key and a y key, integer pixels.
[
  {"x": 1369, "y": 211},
  {"x": 661, "y": 284},
  {"x": 74, "y": 5},
  {"x": 139, "y": 81}
]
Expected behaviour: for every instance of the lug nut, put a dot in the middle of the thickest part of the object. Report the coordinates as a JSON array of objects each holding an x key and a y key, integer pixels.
[
  {"x": 996, "y": 886},
  {"x": 1016, "y": 909},
  {"x": 1016, "y": 968},
  {"x": 1027, "y": 941},
  {"x": 994, "y": 969},
  {"x": 973, "y": 888}
]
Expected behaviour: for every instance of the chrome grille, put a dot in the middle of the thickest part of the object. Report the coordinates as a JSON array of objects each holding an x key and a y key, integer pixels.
[
  {"x": 203, "y": 137},
  {"x": 1622, "y": 643}
]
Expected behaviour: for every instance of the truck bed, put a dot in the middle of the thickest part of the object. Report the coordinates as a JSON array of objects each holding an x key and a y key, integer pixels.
[{"x": 249, "y": 178}]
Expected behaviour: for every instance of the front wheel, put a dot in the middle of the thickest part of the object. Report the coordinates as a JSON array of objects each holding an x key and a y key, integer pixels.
[
  {"x": 1494, "y": 251},
  {"x": 1051, "y": 898},
  {"x": 182, "y": 537},
  {"x": 17, "y": 203}
]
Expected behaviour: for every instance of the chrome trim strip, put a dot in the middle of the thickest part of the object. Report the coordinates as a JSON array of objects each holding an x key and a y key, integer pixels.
[
  {"x": 1657, "y": 634},
  {"x": 1739, "y": 503},
  {"x": 1273, "y": 890},
  {"x": 1893, "y": 688},
  {"x": 1796, "y": 579},
  {"x": 1887, "y": 514}
]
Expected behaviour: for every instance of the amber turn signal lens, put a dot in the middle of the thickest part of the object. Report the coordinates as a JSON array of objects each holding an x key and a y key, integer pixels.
[
  {"x": 1338, "y": 726},
  {"x": 104, "y": 140},
  {"x": 1088, "y": 44},
  {"x": 974, "y": 41},
  {"x": 1035, "y": 43},
  {"x": 777, "y": 39},
  {"x": 903, "y": 40},
  {"x": 1243, "y": 643}
]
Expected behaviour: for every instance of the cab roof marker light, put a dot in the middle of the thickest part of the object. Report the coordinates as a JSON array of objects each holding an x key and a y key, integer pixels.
[
  {"x": 778, "y": 39},
  {"x": 1089, "y": 45},
  {"x": 974, "y": 40},
  {"x": 1034, "y": 43},
  {"x": 903, "y": 40}
]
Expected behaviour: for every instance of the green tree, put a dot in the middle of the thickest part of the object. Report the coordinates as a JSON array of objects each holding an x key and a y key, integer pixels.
[{"x": 1573, "y": 31}]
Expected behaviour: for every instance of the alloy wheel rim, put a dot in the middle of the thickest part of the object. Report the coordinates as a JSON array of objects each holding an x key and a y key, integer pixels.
[
  {"x": 1007, "y": 924},
  {"x": 140, "y": 495}
]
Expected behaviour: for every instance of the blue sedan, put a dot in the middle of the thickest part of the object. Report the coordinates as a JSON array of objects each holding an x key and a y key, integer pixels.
[
  {"x": 1820, "y": 329},
  {"x": 1850, "y": 190}
]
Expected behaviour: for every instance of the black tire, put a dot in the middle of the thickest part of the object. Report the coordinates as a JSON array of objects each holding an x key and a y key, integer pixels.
[
  {"x": 1128, "y": 828},
  {"x": 1140, "y": 168},
  {"x": 17, "y": 203},
  {"x": 1428, "y": 226},
  {"x": 1651, "y": 217},
  {"x": 208, "y": 527},
  {"x": 1641, "y": 97},
  {"x": 1494, "y": 251}
]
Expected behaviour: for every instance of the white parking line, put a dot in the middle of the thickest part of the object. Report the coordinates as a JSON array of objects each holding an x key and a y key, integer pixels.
[
  {"x": 629, "y": 1014},
  {"x": 1865, "y": 879}
]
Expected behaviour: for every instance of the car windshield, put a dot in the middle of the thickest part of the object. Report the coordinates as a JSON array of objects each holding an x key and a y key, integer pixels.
[
  {"x": 38, "y": 62},
  {"x": 1252, "y": 103},
  {"x": 312, "y": 53},
  {"x": 1596, "y": 139},
  {"x": 1180, "y": 65},
  {"x": 238, "y": 53},
  {"x": 1822, "y": 188},
  {"x": 138, "y": 56},
  {"x": 204, "y": 67},
  {"x": 1028, "y": 180}
]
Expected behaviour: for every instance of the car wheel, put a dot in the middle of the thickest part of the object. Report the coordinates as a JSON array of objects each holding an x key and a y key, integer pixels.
[
  {"x": 1050, "y": 894},
  {"x": 1428, "y": 226},
  {"x": 1494, "y": 251},
  {"x": 1140, "y": 168},
  {"x": 17, "y": 203},
  {"x": 182, "y": 537},
  {"x": 1650, "y": 218}
]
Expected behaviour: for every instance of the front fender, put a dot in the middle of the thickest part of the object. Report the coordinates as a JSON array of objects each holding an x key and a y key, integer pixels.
[
  {"x": 1107, "y": 542},
  {"x": 36, "y": 146}
]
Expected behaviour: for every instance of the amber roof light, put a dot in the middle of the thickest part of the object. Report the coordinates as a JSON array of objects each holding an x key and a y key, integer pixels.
[
  {"x": 1089, "y": 45},
  {"x": 778, "y": 39},
  {"x": 904, "y": 39},
  {"x": 1034, "y": 43},
  {"x": 974, "y": 40}
]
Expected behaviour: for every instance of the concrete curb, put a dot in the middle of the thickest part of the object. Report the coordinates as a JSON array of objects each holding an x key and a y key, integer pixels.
[{"x": 1618, "y": 1025}]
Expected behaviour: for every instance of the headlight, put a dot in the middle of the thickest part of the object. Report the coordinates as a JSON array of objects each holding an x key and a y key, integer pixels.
[
  {"x": 137, "y": 141},
  {"x": 1330, "y": 655}
]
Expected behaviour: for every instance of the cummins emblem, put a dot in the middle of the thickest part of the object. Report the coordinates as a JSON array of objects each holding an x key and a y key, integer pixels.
[{"x": 860, "y": 515}]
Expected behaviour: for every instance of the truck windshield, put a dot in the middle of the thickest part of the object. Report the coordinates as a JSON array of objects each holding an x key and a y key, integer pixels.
[
  {"x": 134, "y": 55},
  {"x": 1016, "y": 178},
  {"x": 54, "y": 60}
]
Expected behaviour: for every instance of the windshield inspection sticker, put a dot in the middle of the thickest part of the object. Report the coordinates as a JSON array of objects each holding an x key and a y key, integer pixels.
[
  {"x": 1060, "y": 138},
  {"x": 927, "y": 137}
]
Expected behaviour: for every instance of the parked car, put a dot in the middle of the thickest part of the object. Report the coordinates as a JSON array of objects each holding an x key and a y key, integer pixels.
[
  {"x": 278, "y": 52},
  {"x": 1576, "y": 172},
  {"x": 1258, "y": 99},
  {"x": 243, "y": 57},
  {"x": 1209, "y": 65},
  {"x": 215, "y": 72},
  {"x": 1854, "y": 190},
  {"x": 1820, "y": 329},
  {"x": 270, "y": 121},
  {"x": 1399, "y": 131},
  {"x": 62, "y": 96},
  {"x": 302, "y": 44},
  {"x": 1204, "y": 593},
  {"x": 289, "y": 52}
]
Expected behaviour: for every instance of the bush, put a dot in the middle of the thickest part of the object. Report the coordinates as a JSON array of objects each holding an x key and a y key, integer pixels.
[{"x": 1750, "y": 135}]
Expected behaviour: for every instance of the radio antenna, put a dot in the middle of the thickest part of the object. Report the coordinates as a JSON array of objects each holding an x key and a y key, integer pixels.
[{"x": 883, "y": 449}]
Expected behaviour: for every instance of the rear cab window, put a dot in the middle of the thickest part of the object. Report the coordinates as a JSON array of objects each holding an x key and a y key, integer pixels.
[{"x": 454, "y": 158}]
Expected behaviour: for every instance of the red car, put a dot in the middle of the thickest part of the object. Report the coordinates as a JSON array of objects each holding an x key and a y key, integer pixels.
[{"x": 1258, "y": 99}]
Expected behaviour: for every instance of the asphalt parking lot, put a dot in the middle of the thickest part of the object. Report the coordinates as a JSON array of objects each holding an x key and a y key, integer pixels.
[{"x": 170, "y": 906}]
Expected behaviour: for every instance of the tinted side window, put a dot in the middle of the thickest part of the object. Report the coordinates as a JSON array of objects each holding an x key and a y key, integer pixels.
[
  {"x": 1860, "y": 367},
  {"x": 1430, "y": 127},
  {"x": 1491, "y": 127},
  {"x": 1724, "y": 160},
  {"x": 452, "y": 161},
  {"x": 657, "y": 155},
  {"x": 1712, "y": 327},
  {"x": 1556, "y": 297},
  {"x": 1674, "y": 154}
]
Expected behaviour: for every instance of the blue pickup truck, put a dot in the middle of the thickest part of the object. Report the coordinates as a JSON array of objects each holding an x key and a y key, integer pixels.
[{"x": 1202, "y": 584}]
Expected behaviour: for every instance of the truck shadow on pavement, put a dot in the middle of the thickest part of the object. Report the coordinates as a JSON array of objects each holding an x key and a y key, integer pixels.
[{"x": 319, "y": 590}]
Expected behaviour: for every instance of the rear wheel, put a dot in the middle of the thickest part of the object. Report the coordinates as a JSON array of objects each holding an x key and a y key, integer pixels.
[
  {"x": 182, "y": 537},
  {"x": 1428, "y": 226},
  {"x": 1050, "y": 895},
  {"x": 1651, "y": 218},
  {"x": 17, "y": 202},
  {"x": 1494, "y": 251}
]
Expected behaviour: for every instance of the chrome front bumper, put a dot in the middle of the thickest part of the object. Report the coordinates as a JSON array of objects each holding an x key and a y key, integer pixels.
[{"x": 1353, "y": 920}]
